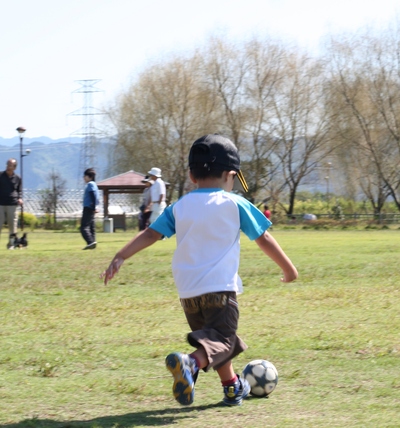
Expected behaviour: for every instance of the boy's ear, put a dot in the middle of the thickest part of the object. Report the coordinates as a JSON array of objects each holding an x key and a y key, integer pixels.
[
  {"x": 192, "y": 179},
  {"x": 227, "y": 174},
  {"x": 224, "y": 176}
]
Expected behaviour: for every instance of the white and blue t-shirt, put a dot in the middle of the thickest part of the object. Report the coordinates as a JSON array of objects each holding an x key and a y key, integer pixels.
[{"x": 207, "y": 223}]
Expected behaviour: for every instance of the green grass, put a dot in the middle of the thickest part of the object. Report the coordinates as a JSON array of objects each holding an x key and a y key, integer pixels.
[{"x": 75, "y": 353}]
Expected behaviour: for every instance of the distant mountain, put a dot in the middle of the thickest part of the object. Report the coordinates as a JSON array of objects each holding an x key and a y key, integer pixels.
[
  {"x": 61, "y": 155},
  {"x": 10, "y": 142}
]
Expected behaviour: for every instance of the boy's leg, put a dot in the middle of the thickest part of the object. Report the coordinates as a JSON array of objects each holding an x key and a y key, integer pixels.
[
  {"x": 86, "y": 228},
  {"x": 184, "y": 370},
  {"x": 214, "y": 336},
  {"x": 200, "y": 357},
  {"x": 93, "y": 228},
  {"x": 214, "y": 327},
  {"x": 235, "y": 387},
  {"x": 226, "y": 372},
  {"x": 213, "y": 321}
]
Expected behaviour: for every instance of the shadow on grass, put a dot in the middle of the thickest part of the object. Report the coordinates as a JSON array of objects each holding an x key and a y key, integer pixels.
[{"x": 149, "y": 418}]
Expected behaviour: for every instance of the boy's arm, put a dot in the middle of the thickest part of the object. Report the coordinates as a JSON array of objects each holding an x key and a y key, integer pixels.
[
  {"x": 272, "y": 249},
  {"x": 139, "y": 242},
  {"x": 92, "y": 196}
]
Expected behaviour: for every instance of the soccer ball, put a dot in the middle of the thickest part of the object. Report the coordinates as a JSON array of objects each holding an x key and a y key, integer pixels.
[{"x": 262, "y": 377}]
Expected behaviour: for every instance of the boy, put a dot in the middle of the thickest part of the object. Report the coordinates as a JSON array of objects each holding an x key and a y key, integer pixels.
[
  {"x": 207, "y": 223},
  {"x": 90, "y": 202}
]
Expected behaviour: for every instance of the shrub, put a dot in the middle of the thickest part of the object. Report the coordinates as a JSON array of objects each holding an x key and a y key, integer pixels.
[{"x": 30, "y": 220}]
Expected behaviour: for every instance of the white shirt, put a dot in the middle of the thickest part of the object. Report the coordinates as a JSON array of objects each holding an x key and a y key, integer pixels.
[
  {"x": 207, "y": 223},
  {"x": 157, "y": 189}
]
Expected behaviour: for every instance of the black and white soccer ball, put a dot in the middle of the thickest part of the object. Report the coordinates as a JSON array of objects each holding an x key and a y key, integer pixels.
[{"x": 262, "y": 377}]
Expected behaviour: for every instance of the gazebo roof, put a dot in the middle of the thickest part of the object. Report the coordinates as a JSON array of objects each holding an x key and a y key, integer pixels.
[{"x": 127, "y": 181}]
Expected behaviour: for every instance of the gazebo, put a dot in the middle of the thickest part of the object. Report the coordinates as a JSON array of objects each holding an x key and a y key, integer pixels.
[{"x": 128, "y": 182}]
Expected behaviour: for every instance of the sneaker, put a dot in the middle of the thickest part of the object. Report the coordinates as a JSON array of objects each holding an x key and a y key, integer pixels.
[
  {"x": 234, "y": 394},
  {"x": 11, "y": 241},
  {"x": 91, "y": 246},
  {"x": 182, "y": 368}
]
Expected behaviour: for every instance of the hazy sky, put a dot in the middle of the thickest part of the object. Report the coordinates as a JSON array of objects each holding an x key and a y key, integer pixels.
[{"x": 46, "y": 45}]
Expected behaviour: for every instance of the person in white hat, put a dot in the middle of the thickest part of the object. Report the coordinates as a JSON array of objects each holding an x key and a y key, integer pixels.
[{"x": 158, "y": 194}]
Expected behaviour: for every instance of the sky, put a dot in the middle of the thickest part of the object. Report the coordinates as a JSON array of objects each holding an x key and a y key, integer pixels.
[{"x": 46, "y": 46}]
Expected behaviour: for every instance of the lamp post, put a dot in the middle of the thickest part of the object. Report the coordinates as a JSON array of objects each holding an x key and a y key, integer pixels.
[
  {"x": 327, "y": 178},
  {"x": 21, "y": 131}
]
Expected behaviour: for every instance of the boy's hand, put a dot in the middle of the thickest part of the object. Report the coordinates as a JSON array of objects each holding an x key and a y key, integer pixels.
[
  {"x": 112, "y": 269},
  {"x": 290, "y": 276},
  {"x": 142, "y": 240},
  {"x": 272, "y": 249}
]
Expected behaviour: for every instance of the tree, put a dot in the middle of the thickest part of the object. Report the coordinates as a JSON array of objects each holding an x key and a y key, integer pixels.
[
  {"x": 226, "y": 68},
  {"x": 242, "y": 77},
  {"x": 266, "y": 70},
  {"x": 50, "y": 197},
  {"x": 287, "y": 113},
  {"x": 365, "y": 81},
  {"x": 301, "y": 124},
  {"x": 160, "y": 116}
]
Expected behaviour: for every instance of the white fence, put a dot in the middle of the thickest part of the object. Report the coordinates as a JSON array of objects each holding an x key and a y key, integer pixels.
[{"x": 70, "y": 204}]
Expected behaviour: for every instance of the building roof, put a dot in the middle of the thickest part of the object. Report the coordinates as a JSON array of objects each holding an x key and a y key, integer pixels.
[{"x": 127, "y": 180}]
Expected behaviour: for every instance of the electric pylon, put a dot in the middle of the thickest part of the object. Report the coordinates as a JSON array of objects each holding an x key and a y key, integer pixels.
[{"x": 88, "y": 132}]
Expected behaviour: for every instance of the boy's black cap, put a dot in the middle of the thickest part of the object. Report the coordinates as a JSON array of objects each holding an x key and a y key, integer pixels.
[{"x": 216, "y": 152}]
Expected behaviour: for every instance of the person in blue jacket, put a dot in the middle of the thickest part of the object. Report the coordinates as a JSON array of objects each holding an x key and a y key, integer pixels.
[{"x": 90, "y": 202}]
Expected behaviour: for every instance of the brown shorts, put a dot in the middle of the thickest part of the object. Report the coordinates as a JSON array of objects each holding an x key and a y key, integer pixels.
[{"x": 213, "y": 319}]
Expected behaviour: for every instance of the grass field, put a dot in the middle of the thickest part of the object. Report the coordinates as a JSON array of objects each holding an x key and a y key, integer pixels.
[{"x": 75, "y": 353}]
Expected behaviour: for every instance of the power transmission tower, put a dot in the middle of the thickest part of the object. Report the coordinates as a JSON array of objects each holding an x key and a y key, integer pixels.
[{"x": 88, "y": 132}]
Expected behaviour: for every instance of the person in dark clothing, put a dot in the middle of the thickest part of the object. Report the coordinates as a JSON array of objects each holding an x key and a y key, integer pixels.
[
  {"x": 90, "y": 201},
  {"x": 10, "y": 198},
  {"x": 145, "y": 208}
]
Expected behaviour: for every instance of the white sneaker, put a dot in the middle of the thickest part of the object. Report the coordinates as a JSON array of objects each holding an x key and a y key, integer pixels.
[{"x": 91, "y": 246}]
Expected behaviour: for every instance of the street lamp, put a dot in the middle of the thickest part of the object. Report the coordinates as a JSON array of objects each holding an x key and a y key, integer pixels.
[
  {"x": 327, "y": 178},
  {"x": 21, "y": 131}
]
